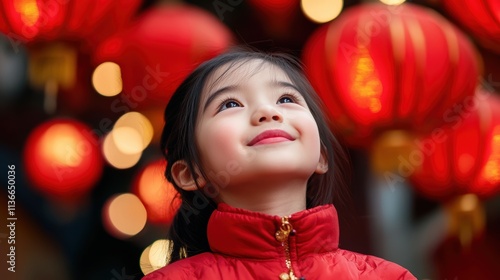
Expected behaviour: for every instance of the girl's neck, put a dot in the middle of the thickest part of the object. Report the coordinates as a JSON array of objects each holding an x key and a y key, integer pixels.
[{"x": 268, "y": 198}]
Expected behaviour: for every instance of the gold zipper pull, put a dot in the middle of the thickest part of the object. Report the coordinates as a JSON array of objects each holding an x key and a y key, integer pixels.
[
  {"x": 282, "y": 234},
  {"x": 285, "y": 276},
  {"x": 288, "y": 276}
]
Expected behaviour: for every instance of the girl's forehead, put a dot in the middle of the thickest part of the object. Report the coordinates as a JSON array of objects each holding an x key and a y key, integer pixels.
[{"x": 240, "y": 71}]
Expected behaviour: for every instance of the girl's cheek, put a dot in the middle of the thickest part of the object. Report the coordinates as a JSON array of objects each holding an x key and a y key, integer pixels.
[{"x": 222, "y": 135}]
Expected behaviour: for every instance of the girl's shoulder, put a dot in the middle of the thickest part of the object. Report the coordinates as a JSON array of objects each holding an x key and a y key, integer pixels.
[
  {"x": 375, "y": 267},
  {"x": 331, "y": 265},
  {"x": 184, "y": 269}
]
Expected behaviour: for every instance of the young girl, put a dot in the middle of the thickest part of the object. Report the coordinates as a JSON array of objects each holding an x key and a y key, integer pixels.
[{"x": 258, "y": 170}]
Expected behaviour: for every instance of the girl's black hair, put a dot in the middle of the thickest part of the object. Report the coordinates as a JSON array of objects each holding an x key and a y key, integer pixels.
[{"x": 188, "y": 232}]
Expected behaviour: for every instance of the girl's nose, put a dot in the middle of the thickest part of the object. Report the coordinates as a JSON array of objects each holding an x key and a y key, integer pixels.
[{"x": 266, "y": 113}]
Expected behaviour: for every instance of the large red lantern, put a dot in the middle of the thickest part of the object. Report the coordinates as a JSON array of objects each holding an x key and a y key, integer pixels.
[
  {"x": 480, "y": 17},
  {"x": 45, "y": 20},
  {"x": 62, "y": 158},
  {"x": 459, "y": 164},
  {"x": 156, "y": 193},
  {"x": 380, "y": 68},
  {"x": 464, "y": 156},
  {"x": 161, "y": 48}
]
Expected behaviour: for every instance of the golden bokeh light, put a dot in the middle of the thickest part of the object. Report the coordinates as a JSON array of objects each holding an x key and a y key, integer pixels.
[
  {"x": 469, "y": 202},
  {"x": 393, "y": 2},
  {"x": 144, "y": 263},
  {"x": 135, "y": 141},
  {"x": 60, "y": 144},
  {"x": 389, "y": 148},
  {"x": 321, "y": 11},
  {"x": 124, "y": 215},
  {"x": 127, "y": 140},
  {"x": 155, "y": 117},
  {"x": 29, "y": 11},
  {"x": 107, "y": 79},
  {"x": 115, "y": 157},
  {"x": 159, "y": 254}
]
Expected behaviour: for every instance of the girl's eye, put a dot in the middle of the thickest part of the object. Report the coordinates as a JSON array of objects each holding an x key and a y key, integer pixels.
[
  {"x": 228, "y": 104},
  {"x": 286, "y": 99}
]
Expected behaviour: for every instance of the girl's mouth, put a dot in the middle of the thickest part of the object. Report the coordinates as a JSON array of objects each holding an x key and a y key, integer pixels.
[{"x": 270, "y": 136}]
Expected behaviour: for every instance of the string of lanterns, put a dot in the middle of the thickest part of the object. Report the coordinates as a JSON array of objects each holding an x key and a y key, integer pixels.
[{"x": 401, "y": 82}]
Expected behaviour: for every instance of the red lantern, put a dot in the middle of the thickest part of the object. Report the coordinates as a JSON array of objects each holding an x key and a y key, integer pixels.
[
  {"x": 62, "y": 158},
  {"x": 160, "y": 49},
  {"x": 44, "y": 20},
  {"x": 158, "y": 195},
  {"x": 480, "y": 17},
  {"x": 380, "y": 68},
  {"x": 464, "y": 156},
  {"x": 57, "y": 32}
]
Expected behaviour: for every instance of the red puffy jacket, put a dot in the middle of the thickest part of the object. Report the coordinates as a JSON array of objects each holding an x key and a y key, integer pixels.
[{"x": 249, "y": 245}]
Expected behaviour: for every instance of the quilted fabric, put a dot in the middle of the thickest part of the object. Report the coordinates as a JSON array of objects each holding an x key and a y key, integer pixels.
[{"x": 244, "y": 247}]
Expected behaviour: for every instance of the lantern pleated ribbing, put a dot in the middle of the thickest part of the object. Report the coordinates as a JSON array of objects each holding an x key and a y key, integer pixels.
[{"x": 379, "y": 68}]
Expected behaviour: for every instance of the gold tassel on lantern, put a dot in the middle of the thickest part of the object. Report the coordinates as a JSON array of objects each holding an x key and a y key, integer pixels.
[
  {"x": 467, "y": 218},
  {"x": 393, "y": 150},
  {"x": 51, "y": 67}
]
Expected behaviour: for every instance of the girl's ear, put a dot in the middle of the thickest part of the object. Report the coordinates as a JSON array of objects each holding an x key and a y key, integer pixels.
[
  {"x": 322, "y": 166},
  {"x": 184, "y": 178}
]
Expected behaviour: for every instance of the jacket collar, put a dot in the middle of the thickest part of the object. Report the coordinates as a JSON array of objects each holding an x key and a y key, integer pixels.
[{"x": 244, "y": 234}]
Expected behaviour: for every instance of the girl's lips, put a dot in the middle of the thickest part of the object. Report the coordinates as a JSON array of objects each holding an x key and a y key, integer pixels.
[{"x": 271, "y": 136}]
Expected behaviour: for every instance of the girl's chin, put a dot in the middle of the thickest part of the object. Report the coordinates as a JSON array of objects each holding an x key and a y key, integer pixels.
[{"x": 272, "y": 174}]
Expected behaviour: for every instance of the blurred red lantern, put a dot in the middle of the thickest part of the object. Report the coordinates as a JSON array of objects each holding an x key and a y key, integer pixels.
[
  {"x": 464, "y": 156},
  {"x": 480, "y": 17},
  {"x": 57, "y": 33},
  {"x": 158, "y": 195},
  {"x": 45, "y": 20},
  {"x": 380, "y": 68},
  {"x": 62, "y": 158},
  {"x": 160, "y": 49}
]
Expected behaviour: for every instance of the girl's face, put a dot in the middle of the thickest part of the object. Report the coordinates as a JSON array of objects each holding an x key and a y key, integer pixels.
[{"x": 254, "y": 126}]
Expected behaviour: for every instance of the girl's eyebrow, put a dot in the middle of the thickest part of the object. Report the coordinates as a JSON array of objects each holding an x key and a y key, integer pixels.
[
  {"x": 284, "y": 84},
  {"x": 218, "y": 92}
]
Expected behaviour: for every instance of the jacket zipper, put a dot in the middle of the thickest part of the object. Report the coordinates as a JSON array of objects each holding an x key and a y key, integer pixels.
[{"x": 282, "y": 235}]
